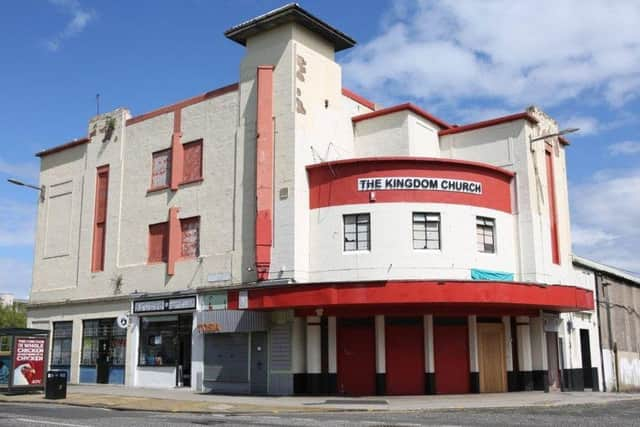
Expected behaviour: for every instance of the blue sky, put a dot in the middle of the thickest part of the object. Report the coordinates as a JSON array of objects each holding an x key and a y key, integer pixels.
[{"x": 463, "y": 61}]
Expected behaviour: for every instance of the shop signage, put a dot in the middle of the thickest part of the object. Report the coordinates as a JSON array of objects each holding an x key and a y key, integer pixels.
[
  {"x": 216, "y": 301},
  {"x": 167, "y": 304},
  {"x": 28, "y": 361},
  {"x": 206, "y": 328},
  {"x": 419, "y": 183}
]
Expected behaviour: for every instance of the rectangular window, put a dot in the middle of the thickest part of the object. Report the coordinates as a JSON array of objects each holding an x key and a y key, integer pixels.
[
  {"x": 161, "y": 169},
  {"x": 486, "y": 234},
  {"x": 158, "y": 341},
  {"x": 61, "y": 345},
  {"x": 192, "y": 169},
  {"x": 357, "y": 232},
  {"x": 190, "y": 228},
  {"x": 5, "y": 344},
  {"x": 426, "y": 230},
  {"x": 112, "y": 337},
  {"x": 100, "y": 222},
  {"x": 158, "y": 242}
]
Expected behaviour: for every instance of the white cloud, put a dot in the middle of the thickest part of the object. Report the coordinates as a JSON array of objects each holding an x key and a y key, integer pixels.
[
  {"x": 18, "y": 282},
  {"x": 27, "y": 170},
  {"x": 587, "y": 125},
  {"x": 624, "y": 147},
  {"x": 606, "y": 218},
  {"x": 17, "y": 223},
  {"x": 504, "y": 51},
  {"x": 80, "y": 18}
]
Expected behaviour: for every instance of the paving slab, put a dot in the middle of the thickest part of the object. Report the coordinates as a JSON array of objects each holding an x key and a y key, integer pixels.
[{"x": 186, "y": 400}]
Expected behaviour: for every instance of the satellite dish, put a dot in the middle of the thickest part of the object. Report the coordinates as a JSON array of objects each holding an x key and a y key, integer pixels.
[{"x": 123, "y": 321}]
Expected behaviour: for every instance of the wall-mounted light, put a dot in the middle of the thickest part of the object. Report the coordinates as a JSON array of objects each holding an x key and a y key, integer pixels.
[{"x": 23, "y": 184}]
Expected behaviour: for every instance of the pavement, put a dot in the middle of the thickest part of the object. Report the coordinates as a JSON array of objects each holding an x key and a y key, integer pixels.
[{"x": 187, "y": 401}]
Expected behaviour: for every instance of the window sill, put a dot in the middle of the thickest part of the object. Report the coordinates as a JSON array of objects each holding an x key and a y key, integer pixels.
[
  {"x": 193, "y": 181},
  {"x": 156, "y": 189},
  {"x": 156, "y": 262}
]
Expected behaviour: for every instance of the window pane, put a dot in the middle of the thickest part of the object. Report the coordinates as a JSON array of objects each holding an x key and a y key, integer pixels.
[
  {"x": 190, "y": 237},
  {"x": 363, "y": 245},
  {"x": 433, "y": 235},
  {"x": 192, "y": 161},
  {"x": 419, "y": 217},
  {"x": 158, "y": 341},
  {"x": 350, "y": 246},
  {"x": 419, "y": 244},
  {"x": 161, "y": 169},
  {"x": 420, "y": 227},
  {"x": 363, "y": 219},
  {"x": 433, "y": 244}
]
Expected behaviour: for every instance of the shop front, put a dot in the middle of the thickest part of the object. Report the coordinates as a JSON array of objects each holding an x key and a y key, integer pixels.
[
  {"x": 164, "y": 341},
  {"x": 103, "y": 351}
]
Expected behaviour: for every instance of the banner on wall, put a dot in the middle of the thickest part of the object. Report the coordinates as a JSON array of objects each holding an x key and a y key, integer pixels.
[{"x": 29, "y": 361}]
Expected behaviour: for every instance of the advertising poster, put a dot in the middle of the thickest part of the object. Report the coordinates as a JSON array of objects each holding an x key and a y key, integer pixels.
[{"x": 29, "y": 361}]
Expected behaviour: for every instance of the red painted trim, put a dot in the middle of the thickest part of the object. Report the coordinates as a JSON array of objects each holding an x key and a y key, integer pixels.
[
  {"x": 175, "y": 240},
  {"x": 100, "y": 219},
  {"x": 479, "y": 125},
  {"x": 264, "y": 171},
  {"x": 553, "y": 210},
  {"x": 185, "y": 103},
  {"x": 336, "y": 183},
  {"x": 71, "y": 144},
  {"x": 384, "y": 294},
  {"x": 177, "y": 151},
  {"x": 359, "y": 99},
  {"x": 402, "y": 107}
]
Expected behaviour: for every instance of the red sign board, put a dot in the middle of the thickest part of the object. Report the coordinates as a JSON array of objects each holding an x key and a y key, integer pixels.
[{"x": 29, "y": 361}]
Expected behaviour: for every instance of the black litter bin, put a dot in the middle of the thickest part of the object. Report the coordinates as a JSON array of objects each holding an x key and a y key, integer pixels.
[{"x": 56, "y": 385}]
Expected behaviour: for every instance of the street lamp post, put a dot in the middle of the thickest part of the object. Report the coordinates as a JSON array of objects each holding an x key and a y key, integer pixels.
[
  {"x": 24, "y": 184},
  {"x": 559, "y": 133}
]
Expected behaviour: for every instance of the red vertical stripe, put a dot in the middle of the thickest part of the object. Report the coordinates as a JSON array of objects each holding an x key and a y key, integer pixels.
[
  {"x": 175, "y": 240},
  {"x": 100, "y": 218},
  {"x": 553, "y": 216},
  {"x": 177, "y": 152},
  {"x": 264, "y": 171}
]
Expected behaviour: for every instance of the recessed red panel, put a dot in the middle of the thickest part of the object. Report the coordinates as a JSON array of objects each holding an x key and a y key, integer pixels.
[
  {"x": 405, "y": 358},
  {"x": 451, "y": 358},
  {"x": 356, "y": 358}
]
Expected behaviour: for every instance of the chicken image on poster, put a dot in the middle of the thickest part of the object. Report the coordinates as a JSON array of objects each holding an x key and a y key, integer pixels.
[{"x": 28, "y": 361}]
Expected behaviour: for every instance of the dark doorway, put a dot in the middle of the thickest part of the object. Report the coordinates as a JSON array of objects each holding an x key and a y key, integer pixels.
[
  {"x": 553, "y": 361},
  {"x": 185, "y": 324},
  {"x": 103, "y": 362},
  {"x": 585, "y": 348},
  {"x": 259, "y": 363}
]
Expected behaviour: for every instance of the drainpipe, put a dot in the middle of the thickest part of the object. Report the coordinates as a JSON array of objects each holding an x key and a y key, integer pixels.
[{"x": 598, "y": 283}]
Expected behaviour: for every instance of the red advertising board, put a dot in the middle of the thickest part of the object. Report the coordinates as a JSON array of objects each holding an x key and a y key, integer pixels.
[{"x": 29, "y": 361}]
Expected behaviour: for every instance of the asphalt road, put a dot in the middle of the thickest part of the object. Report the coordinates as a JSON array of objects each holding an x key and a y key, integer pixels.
[{"x": 38, "y": 415}]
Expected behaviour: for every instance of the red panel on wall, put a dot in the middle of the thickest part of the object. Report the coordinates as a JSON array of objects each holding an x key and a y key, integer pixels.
[
  {"x": 336, "y": 183},
  {"x": 551, "y": 201},
  {"x": 405, "y": 358},
  {"x": 158, "y": 242},
  {"x": 451, "y": 358},
  {"x": 192, "y": 153},
  {"x": 356, "y": 359},
  {"x": 100, "y": 218}
]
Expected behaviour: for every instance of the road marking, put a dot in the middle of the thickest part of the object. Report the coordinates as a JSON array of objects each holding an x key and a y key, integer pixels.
[{"x": 29, "y": 420}]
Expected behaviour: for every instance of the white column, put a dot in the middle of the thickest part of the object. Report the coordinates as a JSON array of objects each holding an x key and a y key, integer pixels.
[
  {"x": 314, "y": 355},
  {"x": 197, "y": 356},
  {"x": 76, "y": 352},
  {"x": 508, "y": 349},
  {"x": 538, "y": 344},
  {"x": 381, "y": 357},
  {"x": 429, "y": 364},
  {"x": 524, "y": 343},
  {"x": 333, "y": 351},
  {"x": 473, "y": 344}
]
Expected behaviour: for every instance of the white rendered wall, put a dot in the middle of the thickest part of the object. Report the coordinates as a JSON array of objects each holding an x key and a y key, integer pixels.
[{"x": 392, "y": 255}]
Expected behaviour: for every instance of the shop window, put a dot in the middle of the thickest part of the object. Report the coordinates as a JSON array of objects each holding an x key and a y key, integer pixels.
[
  {"x": 426, "y": 230},
  {"x": 190, "y": 228},
  {"x": 485, "y": 234},
  {"x": 158, "y": 341},
  {"x": 161, "y": 169},
  {"x": 357, "y": 232},
  {"x": 192, "y": 169},
  {"x": 96, "y": 330},
  {"x": 61, "y": 345},
  {"x": 158, "y": 242}
]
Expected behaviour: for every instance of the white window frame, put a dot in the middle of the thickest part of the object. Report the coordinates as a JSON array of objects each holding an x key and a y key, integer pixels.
[
  {"x": 483, "y": 225},
  {"x": 357, "y": 241},
  {"x": 429, "y": 218}
]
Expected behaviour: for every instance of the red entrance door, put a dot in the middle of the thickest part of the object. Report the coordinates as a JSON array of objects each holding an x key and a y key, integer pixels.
[
  {"x": 451, "y": 357},
  {"x": 405, "y": 356},
  {"x": 356, "y": 357}
]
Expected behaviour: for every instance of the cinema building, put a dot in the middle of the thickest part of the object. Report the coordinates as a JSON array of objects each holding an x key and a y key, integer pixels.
[{"x": 284, "y": 235}]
